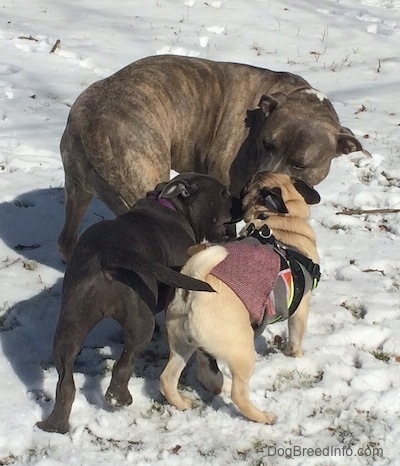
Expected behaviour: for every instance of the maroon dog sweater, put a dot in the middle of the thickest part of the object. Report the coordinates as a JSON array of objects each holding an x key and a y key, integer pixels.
[{"x": 251, "y": 270}]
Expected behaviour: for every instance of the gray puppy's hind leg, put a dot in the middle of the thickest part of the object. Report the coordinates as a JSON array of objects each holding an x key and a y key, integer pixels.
[
  {"x": 209, "y": 374},
  {"x": 138, "y": 327},
  {"x": 67, "y": 345}
]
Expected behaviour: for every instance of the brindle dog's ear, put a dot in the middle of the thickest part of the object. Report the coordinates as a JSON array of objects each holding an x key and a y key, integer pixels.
[
  {"x": 346, "y": 142},
  {"x": 272, "y": 200},
  {"x": 254, "y": 118},
  {"x": 310, "y": 195},
  {"x": 269, "y": 102},
  {"x": 236, "y": 210},
  {"x": 176, "y": 188}
]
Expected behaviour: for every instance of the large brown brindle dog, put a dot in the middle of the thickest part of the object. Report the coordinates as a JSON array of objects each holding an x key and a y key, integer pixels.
[{"x": 125, "y": 132}]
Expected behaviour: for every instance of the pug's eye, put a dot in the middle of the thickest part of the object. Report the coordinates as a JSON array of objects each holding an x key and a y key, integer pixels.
[{"x": 263, "y": 216}]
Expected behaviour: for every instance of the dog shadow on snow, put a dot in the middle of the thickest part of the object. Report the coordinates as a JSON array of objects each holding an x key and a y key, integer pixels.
[{"x": 29, "y": 228}]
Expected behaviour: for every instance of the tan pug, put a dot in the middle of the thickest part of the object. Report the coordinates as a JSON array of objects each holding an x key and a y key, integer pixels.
[{"x": 221, "y": 324}]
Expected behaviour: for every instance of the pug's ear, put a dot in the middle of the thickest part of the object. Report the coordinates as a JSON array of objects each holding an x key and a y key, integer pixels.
[
  {"x": 176, "y": 188},
  {"x": 310, "y": 195},
  {"x": 272, "y": 200}
]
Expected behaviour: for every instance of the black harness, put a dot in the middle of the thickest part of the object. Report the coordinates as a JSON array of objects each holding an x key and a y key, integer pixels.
[{"x": 306, "y": 273}]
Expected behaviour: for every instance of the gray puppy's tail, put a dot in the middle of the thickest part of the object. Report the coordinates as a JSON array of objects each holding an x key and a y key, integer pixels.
[{"x": 136, "y": 262}]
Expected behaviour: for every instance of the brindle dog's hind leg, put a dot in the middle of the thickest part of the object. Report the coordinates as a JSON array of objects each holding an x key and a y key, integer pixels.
[{"x": 77, "y": 201}]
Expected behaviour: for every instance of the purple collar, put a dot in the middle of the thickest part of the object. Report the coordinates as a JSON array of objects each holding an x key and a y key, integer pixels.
[{"x": 165, "y": 202}]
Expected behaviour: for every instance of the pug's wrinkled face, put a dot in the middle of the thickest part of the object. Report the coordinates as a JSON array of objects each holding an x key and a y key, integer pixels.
[{"x": 270, "y": 194}]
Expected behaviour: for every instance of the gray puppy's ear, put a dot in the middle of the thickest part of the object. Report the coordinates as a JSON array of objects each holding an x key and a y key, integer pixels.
[
  {"x": 272, "y": 200},
  {"x": 310, "y": 195},
  {"x": 160, "y": 186},
  {"x": 174, "y": 189}
]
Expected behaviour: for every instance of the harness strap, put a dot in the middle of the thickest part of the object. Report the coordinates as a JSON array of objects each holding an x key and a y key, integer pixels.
[
  {"x": 312, "y": 268},
  {"x": 264, "y": 235},
  {"x": 303, "y": 268},
  {"x": 299, "y": 282}
]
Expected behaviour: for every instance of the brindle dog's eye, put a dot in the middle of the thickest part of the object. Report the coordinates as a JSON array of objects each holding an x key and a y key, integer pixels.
[
  {"x": 268, "y": 146},
  {"x": 263, "y": 216},
  {"x": 298, "y": 166}
]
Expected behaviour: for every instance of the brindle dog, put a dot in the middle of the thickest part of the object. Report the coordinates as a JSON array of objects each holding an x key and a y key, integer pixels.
[{"x": 124, "y": 133}]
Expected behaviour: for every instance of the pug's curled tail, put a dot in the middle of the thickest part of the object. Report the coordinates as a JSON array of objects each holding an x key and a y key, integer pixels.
[
  {"x": 201, "y": 264},
  {"x": 121, "y": 259}
]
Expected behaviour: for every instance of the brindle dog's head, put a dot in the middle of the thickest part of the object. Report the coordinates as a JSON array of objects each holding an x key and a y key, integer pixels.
[
  {"x": 301, "y": 135},
  {"x": 298, "y": 134}
]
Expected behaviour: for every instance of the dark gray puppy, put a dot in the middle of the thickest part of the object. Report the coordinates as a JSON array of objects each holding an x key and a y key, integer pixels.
[
  {"x": 115, "y": 272},
  {"x": 125, "y": 132}
]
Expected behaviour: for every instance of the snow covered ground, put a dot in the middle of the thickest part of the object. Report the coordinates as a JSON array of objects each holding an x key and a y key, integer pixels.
[{"x": 340, "y": 403}]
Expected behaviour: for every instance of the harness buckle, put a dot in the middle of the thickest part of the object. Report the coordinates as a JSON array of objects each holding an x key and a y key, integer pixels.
[
  {"x": 265, "y": 232},
  {"x": 250, "y": 229}
]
